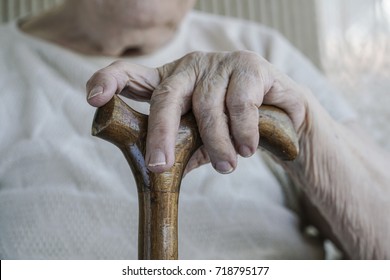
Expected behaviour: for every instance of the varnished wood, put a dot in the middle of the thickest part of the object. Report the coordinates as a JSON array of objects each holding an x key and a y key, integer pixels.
[{"x": 158, "y": 194}]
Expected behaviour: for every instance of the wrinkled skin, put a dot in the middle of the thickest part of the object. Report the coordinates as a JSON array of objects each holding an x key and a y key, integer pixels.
[
  {"x": 344, "y": 184},
  {"x": 224, "y": 91},
  {"x": 342, "y": 173}
]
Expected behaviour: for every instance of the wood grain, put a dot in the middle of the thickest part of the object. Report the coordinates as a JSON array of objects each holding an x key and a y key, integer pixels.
[{"x": 158, "y": 194}]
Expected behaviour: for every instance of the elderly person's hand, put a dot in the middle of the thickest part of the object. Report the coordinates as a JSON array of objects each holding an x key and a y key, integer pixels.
[
  {"x": 224, "y": 91},
  {"x": 346, "y": 185}
]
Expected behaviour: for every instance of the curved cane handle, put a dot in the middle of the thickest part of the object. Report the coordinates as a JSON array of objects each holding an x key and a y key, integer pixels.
[{"x": 158, "y": 194}]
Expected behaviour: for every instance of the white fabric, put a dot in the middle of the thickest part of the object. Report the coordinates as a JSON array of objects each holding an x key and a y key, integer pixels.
[{"x": 65, "y": 194}]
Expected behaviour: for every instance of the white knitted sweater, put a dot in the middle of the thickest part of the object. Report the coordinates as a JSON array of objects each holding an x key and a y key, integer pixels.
[{"x": 67, "y": 195}]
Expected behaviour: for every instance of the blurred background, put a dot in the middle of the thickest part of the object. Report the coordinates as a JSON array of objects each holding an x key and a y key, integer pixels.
[{"x": 349, "y": 40}]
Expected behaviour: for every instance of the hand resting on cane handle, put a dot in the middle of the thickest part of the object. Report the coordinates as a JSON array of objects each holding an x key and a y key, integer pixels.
[
  {"x": 224, "y": 92},
  {"x": 344, "y": 182},
  {"x": 158, "y": 193},
  {"x": 118, "y": 123}
]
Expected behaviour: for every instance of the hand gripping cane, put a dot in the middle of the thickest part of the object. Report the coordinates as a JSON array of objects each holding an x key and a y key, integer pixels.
[{"x": 158, "y": 194}]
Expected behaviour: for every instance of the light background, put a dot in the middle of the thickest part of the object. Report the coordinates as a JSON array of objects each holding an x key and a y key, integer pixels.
[{"x": 349, "y": 40}]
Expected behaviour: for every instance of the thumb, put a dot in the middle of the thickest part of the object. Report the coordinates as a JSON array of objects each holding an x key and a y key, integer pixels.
[{"x": 130, "y": 80}]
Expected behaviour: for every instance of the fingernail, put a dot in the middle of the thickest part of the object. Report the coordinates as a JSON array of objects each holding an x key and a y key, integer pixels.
[
  {"x": 95, "y": 92},
  {"x": 223, "y": 167},
  {"x": 245, "y": 151},
  {"x": 157, "y": 158}
]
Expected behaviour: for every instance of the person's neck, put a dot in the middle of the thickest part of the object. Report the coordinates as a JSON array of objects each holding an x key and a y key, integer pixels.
[{"x": 73, "y": 30}]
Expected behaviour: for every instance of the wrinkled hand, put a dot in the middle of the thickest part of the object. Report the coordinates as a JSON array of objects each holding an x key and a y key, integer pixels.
[{"x": 224, "y": 91}]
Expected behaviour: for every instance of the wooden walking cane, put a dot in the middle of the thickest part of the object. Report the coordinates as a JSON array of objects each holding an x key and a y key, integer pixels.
[{"x": 158, "y": 194}]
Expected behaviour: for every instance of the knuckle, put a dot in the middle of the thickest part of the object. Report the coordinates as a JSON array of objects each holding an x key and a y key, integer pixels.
[
  {"x": 247, "y": 135},
  {"x": 248, "y": 64},
  {"x": 160, "y": 102},
  {"x": 161, "y": 105},
  {"x": 194, "y": 56},
  {"x": 164, "y": 89},
  {"x": 191, "y": 59},
  {"x": 245, "y": 55},
  {"x": 204, "y": 109},
  {"x": 165, "y": 95},
  {"x": 241, "y": 107},
  {"x": 214, "y": 131},
  {"x": 166, "y": 69}
]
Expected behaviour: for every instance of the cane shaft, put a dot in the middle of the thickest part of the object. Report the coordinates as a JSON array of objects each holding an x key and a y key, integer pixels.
[{"x": 158, "y": 194}]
